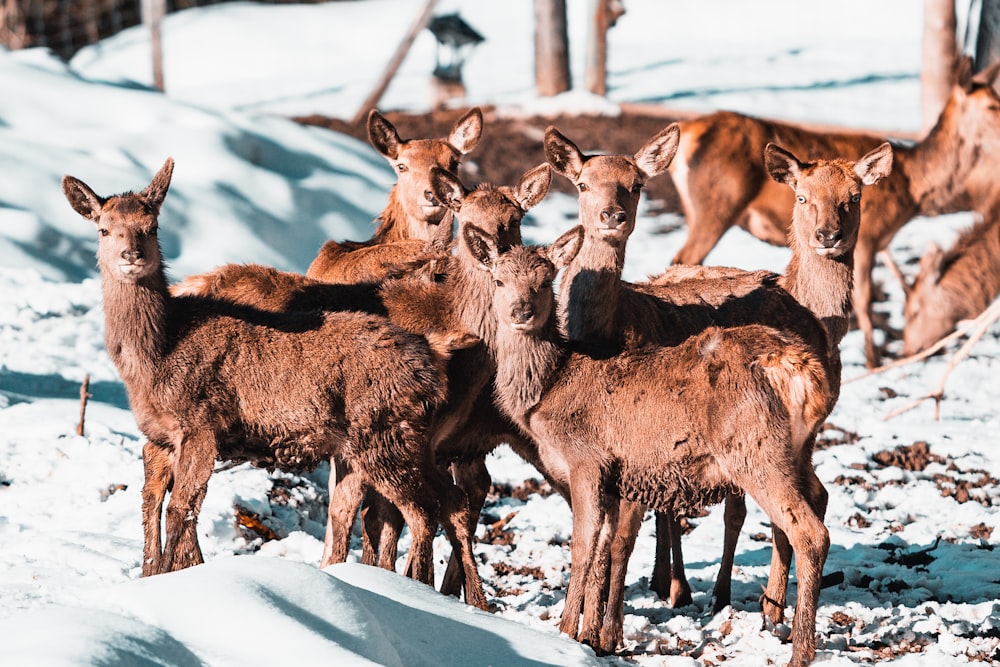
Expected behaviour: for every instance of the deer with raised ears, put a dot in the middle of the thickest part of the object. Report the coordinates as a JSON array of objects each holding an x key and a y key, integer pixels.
[
  {"x": 722, "y": 181},
  {"x": 826, "y": 223},
  {"x": 953, "y": 285},
  {"x": 599, "y": 309},
  {"x": 413, "y": 224},
  {"x": 731, "y": 408},
  {"x": 209, "y": 379}
]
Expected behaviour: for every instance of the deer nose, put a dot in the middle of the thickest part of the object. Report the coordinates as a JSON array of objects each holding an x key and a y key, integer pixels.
[
  {"x": 132, "y": 256},
  {"x": 522, "y": 313},
  {"x": 612, "y": 217},
  {"x": 829, "y": 237}
]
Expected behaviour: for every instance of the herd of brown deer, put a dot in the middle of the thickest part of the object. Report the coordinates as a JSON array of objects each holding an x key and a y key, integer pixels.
[{"x": 421, "y": 348}]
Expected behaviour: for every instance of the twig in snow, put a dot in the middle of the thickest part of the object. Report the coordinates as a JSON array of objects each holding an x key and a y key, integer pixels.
[{"x": 84, "y": 395}]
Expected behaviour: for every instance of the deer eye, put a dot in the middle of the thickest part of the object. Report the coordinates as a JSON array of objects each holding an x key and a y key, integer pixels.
[
  {"x": 401, "y": 168},
  {"x": 498, "y": 283},
  {"x": 801, "y": 199},
  {"x": 636, "y": 188},
  {"x": 855, "y": 198},
  {"x": 103, "y": 231},
  {"x": 582, "y": 187}
]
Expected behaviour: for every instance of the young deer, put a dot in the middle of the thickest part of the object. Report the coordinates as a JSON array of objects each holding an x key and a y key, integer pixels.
[
  {"x": 727, "y": 409},
  {"x": 723, "y": 182},
  {"x": 414, "y": 224},
  {"x": 598, "y": 309},
  {"x": 953, "y": 285},
  {"x": 208, "y": 379},
  {"x": 455, "y": 315}
]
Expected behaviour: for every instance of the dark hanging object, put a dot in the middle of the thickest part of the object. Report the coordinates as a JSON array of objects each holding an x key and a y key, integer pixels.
[{"x": 455, "y": 39}]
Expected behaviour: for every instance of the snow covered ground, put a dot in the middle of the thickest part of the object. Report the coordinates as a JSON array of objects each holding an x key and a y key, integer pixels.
[{"x": 912, "y": 529}]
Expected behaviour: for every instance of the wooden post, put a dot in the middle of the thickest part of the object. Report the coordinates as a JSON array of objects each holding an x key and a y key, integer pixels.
[
  {"x": 552, "y": 75},
  {"x": 84, "y": 395},
  {"x": 397, "y": 59},
  {"x": 596, "y": 75},
  {"x": 153, "y": 12},
  {"x": 988, "y": 39}
]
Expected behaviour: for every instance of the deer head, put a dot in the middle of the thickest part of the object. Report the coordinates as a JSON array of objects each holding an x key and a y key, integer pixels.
[
  {"x": 827, "y": 213},
  {"x": 412, "y": 161},
  {"x": 609, "y": 185},
  {"x": 523, "y": 298},
  {"x": 127, "y": 244},
  {"x": 496, "y": 211}
]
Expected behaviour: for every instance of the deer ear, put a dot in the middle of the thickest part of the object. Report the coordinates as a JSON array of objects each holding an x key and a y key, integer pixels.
[
  {"x": 467, "y": 131},
  {"x": 533, "y": 186},
  {"x": 156, "y": 191},
  {"x": 931, "y": 263},
  {"x": 382, "y": 135},
  {"x": 565, "y": 248},
  {"x": 83, "y": 200},
  {"x": 481, "y": 246},
  {"x": 657, "y": 154},
  {"x": 781, "y": 165},
  {"x": 875, "y": 165},
  {"x": 562, "y": 154},
  {"x": 447, "y": 188}
]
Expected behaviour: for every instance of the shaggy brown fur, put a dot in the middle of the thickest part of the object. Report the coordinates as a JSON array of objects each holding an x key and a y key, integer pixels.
[
  {"x": 598, "y": 309},
  {"x": 209, "y": 379},
  {"x": 727, "y": 409},
  {"x": 722, "y": 180}
]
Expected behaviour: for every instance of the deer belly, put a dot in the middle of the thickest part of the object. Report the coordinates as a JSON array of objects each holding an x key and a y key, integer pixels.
[{"x": 684, "y": 486}]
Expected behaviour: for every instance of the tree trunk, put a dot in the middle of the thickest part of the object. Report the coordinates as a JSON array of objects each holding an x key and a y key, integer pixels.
[
  {"x": 939, "y": 53},
  {"x": 596, "y": 76},
  {"x": 551, "y": 48},
  {"x": 153, "y": 12},
  {"x": 988, "y": 38}
]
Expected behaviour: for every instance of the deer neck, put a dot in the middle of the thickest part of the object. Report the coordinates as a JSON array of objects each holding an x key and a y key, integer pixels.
[
  {"x": 392, "y": 222},
  {"x": 472, "y": 299},
  {"x": 135, "y": 316},
  {"x": 589, "y": 293},
  {"x": 938, "y": 166},
  {"x": 824, "y": 286},
  {"x": 526, "y": 364}
]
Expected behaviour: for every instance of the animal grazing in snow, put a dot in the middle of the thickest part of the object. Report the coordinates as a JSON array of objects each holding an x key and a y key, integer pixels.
[
  {"x": 413, "y": 225},
  {"x": 729, "y": 408},
  {"x": 953, "y": 285},
  {"x": 209, "y": 379},
  {"x": 722, "y": 181}
]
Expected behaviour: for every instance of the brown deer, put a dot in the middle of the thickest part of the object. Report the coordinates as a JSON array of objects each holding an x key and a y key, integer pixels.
[
  {"x": 732, "y": 408},
  {"x": 208, "y": 379},
  {"x": 598, "y": 309},
  {"x": 452, "y": 308},
  {"x": 722, "y": 180},
  {"x": 413, "y": 223},
  {"x": 953, "y": 285}
]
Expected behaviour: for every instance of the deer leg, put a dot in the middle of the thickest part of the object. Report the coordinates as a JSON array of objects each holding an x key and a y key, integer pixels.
[
  {"x": 588, "y": 517},
  {"x": 793, "y": 515},
  {"x": 864, "y": 259},
  {"x": 381, "y": 526},
  {"x": 630, "y": 517},
  {"x": 735, "y": 513},
  {"x": 598, "y": 586},
  {"x": 345, "y": 498},
  {"x": 192, "y": 469},
  {"x": 456, "y": 517},
  {"x": 158, "y": 475},
  {"x": 473, "y": 478}
]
